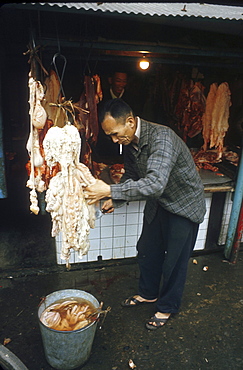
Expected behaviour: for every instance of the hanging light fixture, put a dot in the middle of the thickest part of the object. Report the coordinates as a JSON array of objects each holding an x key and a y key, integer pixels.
[{"x": 144, "y": 63}]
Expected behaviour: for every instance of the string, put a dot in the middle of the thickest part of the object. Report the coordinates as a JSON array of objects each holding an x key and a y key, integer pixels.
[
  {"x": 67, "y": 107},
  {"x": 34, "y": 57}
]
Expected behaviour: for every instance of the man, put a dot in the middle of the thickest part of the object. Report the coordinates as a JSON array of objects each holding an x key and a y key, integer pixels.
[
  {"x": 159, "y": 169},
  {"x": 122, "y": 87},
  {"x": 118, "y": 82},
  {"x": 105, "y": 148}
]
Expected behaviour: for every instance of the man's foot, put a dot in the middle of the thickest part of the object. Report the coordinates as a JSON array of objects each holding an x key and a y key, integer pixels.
[
  {"x": 157, "y": 321},
  {"x": 136, "y": 300}
]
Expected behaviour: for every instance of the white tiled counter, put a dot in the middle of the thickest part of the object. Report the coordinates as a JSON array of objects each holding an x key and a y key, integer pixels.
[{"x": 115, "y": 235}]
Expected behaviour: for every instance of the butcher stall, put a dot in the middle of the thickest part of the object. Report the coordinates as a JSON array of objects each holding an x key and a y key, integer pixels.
[{"x": 194, "y": 85}]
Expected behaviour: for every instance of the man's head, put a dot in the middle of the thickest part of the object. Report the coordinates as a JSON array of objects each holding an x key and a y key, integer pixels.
[
  {"x": 118, "y": 82},
  {"x": 118, "y": 121}
]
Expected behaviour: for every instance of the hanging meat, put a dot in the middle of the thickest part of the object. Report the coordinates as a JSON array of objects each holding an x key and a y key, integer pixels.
[
  {"x": 217, "y": 117},
  {"x": 207, "y": 116},
  {"x": 42, "y": 117},
  {"x": 220, "y": 117},
  {"x": 54, "y": 147},
  {"x": 53, "y": 98},
  {"x": 88, "y": 116},
  {"x": 215, "y": 125},
  {"x": 190, "y": 108},
  {"x": 65, "y": 200}
]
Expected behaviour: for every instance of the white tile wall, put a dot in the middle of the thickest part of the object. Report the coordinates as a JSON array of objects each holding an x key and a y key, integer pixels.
[
  {"x": 202, "y": 232},
  {"x": 115, "y": 235},
  {"x": 118, "y": 252}
]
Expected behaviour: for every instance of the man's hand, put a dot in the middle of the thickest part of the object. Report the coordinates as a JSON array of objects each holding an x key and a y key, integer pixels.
[
  {"x": 97, "y": 191},
  {"x": 107, "y": 206}
]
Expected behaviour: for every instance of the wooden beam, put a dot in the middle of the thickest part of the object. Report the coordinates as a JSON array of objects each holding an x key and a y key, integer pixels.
[{"x": 150, "y": 48}]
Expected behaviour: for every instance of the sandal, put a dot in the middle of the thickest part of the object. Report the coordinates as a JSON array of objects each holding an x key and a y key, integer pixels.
[
  {"x": 158, "y": 323},
  {"x": 136, "y": 302}
]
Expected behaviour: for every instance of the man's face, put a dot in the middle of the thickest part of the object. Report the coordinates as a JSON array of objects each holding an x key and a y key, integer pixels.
[
  {"x": 119, "y": 133},
  {"x": 118, "y": 82}
]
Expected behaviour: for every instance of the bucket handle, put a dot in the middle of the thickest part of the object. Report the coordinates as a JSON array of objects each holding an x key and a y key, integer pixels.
[{"x": 99, "y": 312}]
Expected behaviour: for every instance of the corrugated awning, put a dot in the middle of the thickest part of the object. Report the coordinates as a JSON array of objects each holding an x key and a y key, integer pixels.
[
  {"x": 202, "y": 10},
  {"x": 189, "y": 32}
]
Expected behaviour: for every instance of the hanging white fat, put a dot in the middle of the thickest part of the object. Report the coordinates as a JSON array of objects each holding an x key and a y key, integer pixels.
[
  {"x": 33, "y": 148},
  {"x": 36, "y": 96},
  {"x": 37, "y": 120},
  {"x": 65, "y": 198},
  {"x": 39, "y": 113},
  {"x": 62, "y": 145}
]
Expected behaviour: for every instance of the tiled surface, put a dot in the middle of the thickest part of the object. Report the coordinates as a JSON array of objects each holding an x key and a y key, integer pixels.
[
  {"x": 202, "y": 232},
  {"x": 115, "y": 235}
]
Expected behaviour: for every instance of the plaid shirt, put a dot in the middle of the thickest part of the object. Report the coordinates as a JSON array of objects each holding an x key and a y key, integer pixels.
[{"x": 161, "y": 171}]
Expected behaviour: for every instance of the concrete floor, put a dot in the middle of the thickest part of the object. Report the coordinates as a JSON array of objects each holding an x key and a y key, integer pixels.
[{"x": 206, "y": 334}]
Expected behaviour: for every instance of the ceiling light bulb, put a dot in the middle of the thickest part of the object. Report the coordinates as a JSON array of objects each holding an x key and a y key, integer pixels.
[{"x": 144, "y": 64}]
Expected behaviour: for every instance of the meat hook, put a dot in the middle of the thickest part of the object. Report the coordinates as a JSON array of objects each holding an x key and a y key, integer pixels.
[{"x": 58, "y": 55}]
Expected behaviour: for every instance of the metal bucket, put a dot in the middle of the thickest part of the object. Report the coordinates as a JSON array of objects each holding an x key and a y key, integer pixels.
[{"x": 67, "y": 350}]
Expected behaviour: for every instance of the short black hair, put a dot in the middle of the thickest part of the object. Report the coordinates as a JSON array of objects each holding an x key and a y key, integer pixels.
[
  {"x": 117, "y": 108},
  {"x": 118, "y": 71}
]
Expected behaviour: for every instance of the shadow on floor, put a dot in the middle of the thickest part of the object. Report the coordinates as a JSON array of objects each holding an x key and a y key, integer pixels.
[{"x": 206, "y": 334}]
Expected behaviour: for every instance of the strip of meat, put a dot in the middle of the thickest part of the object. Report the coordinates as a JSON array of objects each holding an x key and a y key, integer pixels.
[
  {"x": 207, "y": 116},
  {"x": 220, "y": 117},
  {"x": 52, "y": 95},
  {"x": 88, "y": 116}
]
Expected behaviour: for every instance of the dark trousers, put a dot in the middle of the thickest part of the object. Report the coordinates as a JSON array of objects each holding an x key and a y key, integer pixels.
[{"x": 164, "y": 248}]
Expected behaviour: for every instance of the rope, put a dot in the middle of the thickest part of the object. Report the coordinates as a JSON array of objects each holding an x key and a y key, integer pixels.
[{"x": 32, "y": 51}]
